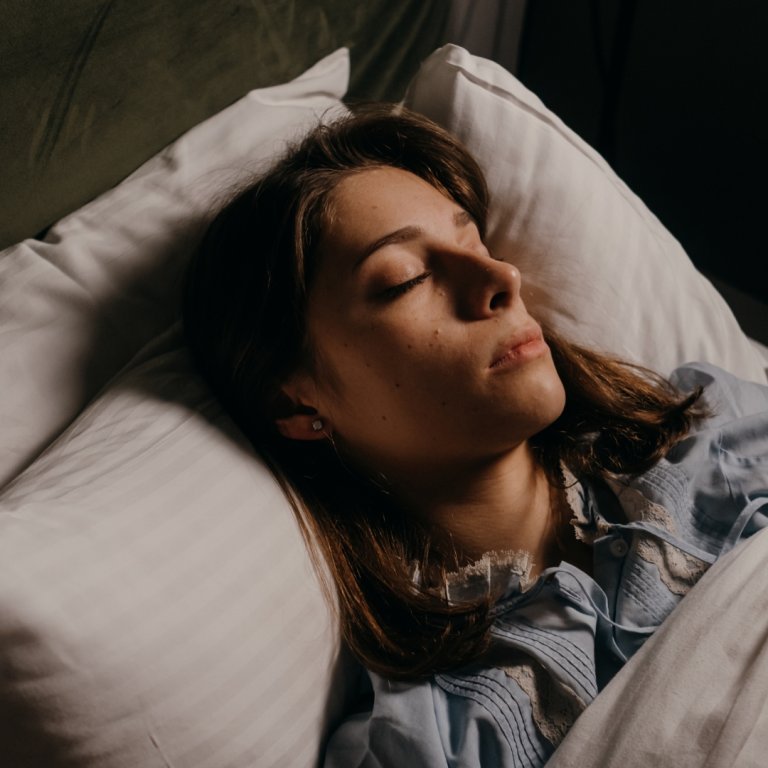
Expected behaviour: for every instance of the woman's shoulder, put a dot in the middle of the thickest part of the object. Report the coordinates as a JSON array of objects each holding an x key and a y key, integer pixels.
[
  {"x": 726, "y": 454},
  {"x": 712, "y": 483},
  {"x": 727, "y": 396}
]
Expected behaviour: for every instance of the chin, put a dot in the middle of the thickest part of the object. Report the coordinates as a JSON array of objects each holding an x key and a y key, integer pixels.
[{"x": 548, "y": 400}]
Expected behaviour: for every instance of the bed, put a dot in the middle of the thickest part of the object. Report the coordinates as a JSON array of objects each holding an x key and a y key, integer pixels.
[{"x": 157, "y": 605}]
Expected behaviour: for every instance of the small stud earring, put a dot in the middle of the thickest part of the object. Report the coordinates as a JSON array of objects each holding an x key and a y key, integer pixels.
[{"x": 317, "y": 425}]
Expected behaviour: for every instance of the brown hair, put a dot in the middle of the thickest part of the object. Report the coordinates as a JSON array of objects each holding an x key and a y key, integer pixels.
[{"x": 244, "y": 315}]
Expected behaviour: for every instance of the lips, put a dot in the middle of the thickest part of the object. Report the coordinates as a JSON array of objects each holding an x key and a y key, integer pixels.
[{"x": 522, "y": 345}]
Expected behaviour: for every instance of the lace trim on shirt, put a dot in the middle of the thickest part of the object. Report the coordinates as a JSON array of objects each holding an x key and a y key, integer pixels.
[
  {"x": 585, "y": 528},
  {"x": 493, "y": 574},
  {"x": 678, "y": 570},
  {"x": 554, "y": 705}
]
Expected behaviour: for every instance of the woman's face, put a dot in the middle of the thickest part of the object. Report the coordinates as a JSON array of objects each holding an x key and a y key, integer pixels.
[{"x": 425, "y": 353}]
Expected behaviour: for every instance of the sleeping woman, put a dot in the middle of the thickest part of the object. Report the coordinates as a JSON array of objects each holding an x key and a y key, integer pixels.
[{"x": 505, "y": 516}]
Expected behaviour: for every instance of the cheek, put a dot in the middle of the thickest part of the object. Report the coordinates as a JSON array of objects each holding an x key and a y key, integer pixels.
[
  {"x": 390, "y": 374},
  {"x": 395, "y": 365}
]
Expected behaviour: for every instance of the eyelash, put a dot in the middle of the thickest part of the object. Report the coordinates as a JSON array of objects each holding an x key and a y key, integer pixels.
[{"x": 403, "y": 288}]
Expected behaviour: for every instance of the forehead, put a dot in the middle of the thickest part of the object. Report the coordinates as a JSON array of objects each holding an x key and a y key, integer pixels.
[
  {"x": 381, "y": 182},
  {"x": 367, "y": 204},
  {"x": 381, "y": 187}
]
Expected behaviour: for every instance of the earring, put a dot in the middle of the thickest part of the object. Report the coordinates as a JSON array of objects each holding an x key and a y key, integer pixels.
[{"x": 317, "y": 425}]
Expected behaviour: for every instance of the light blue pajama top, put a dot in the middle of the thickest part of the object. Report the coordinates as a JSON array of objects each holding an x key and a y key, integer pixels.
[{"x": 558, "y": 641}]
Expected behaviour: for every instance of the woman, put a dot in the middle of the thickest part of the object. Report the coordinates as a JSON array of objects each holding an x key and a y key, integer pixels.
[{"x": 505, "y": 516}]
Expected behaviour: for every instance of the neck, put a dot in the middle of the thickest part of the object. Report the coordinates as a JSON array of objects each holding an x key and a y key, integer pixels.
[{"x": 495, "y": 505}]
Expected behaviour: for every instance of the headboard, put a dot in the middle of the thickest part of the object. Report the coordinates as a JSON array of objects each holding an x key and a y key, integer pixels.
[{"x": 92, "y": 88}]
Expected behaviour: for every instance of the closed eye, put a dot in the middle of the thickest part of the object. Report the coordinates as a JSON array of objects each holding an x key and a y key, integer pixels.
[{"x": 398, "y": 290}]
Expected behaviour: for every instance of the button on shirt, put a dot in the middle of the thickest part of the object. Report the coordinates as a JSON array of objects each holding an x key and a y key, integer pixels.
[
  {"x": 557, "y": 642},
  {"x": 618, "y": 547}
]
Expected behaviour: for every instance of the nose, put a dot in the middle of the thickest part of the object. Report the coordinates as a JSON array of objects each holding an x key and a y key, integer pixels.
[{"x": 486, "y": 286}]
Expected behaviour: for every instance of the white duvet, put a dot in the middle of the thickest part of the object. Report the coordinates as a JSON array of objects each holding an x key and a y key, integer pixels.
[{"x": 696, "y": 694}]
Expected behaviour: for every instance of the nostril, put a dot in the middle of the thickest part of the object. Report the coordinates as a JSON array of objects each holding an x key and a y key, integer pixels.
[{"x": 499, "y": 299}]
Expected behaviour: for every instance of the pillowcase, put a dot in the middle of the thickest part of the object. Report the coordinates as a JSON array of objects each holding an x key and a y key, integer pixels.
[
  {"x": 597, "y": 265},
  {"x": 77, "y": 305},
  {"x": 157, "y": 604}
]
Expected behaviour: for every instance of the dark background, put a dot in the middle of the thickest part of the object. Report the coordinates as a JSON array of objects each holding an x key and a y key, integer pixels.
[{"x": 673, "y": 94}]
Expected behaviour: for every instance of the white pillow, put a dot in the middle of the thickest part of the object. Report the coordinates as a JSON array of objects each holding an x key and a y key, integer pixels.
[
  {"x": 157, "y": 604},
  {"x": 76, "y": 306},
  {"x": 597, "y": 265}
]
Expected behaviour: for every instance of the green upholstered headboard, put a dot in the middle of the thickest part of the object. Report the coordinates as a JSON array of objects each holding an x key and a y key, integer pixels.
[{"x": 89, "y": 89}]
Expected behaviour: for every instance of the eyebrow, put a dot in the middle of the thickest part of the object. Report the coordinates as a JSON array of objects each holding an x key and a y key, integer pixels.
[{"x": 461, "y": 218}]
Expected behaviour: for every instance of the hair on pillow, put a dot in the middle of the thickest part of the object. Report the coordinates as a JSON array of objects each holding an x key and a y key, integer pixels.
[
  {"x": 77, "y": 305},
  {"x": 597, "y": 265}
]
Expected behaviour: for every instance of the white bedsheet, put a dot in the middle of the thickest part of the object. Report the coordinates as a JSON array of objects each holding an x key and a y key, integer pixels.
[{"x": 697, "y": 693}]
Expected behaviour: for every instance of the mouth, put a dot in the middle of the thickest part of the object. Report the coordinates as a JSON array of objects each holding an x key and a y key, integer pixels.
[{"x": 525, "y": 345}]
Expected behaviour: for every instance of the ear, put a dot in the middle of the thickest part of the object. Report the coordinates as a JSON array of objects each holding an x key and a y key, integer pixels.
[
  {"x": 297, "y": 416},
  {"x": 302, "y": 426}
]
